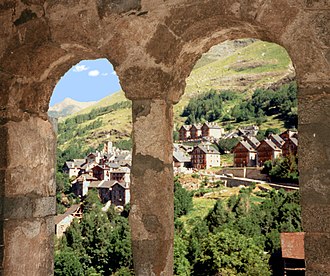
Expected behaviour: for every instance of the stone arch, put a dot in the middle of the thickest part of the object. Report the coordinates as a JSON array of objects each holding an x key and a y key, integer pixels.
[{"x": 156, "y": 45}]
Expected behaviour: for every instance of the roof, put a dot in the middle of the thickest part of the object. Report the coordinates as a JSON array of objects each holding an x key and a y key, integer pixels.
[
  {"x": 119, "y": 184},
  {"x": 79, "y": 162},
  {"x": 208, "y": 149},
  {"x": 180, "y": 156},
  {"x": 294, "y": 140},
  {"x": 212, "y": 125},
  {"x": 292, "y": 245},
  {"x": 186, "y": 127},
  {"x": 94, "y": 184},
  {"x": 108, "y": 184},
  {"x": 74, "y": 208},
  {"x": 278, "y": 138},
  {"x": 197, "y": 126},
  {"x": 252, "y": 140},
  {"x": 247, "y": 145},
  {"x": 85, "y": 176},
  {"x": 271, "y": 144}
]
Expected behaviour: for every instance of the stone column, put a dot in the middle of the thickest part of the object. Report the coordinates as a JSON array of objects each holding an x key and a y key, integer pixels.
[
  {"x": 152, "y": 213},
  {"x": 27, "y": 197},
  {"x": 314, "y": 166}
]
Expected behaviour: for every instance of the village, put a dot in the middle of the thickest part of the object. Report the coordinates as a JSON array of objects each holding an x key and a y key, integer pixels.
[{"x": 108, "y": 171}]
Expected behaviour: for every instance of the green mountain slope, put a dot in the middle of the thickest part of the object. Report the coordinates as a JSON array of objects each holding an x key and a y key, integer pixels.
[{"x": 241, "y": 66}]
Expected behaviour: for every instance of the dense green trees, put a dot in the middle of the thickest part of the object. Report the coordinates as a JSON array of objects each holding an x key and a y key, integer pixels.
[
  {"x": 182, "y": 200},
  {"x": 210, "y": 106},
  {"x": 283, "y": 169},
  {"x": 237, "y": 237},
  {"x": 226, "y": 145},
  {"x": 101, "y": 245}
]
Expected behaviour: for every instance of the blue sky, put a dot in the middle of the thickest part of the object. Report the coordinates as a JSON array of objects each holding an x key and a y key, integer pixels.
[{"x": 89, "y": 80}]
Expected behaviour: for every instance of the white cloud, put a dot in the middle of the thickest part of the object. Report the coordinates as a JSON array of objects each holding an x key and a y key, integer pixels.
[
  {"x": 80, "y": 68},
  {"x": 114, "y": 73},
  {"x": 94, "y": 73},
  {"x": 104, "y": 74}
]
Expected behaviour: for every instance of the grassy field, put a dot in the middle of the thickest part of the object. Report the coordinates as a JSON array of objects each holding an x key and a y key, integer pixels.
[{"x": 202, "y": 205}]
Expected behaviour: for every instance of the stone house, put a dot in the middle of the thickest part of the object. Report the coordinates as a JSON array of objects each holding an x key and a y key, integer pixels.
[
  {"x": 290, "y": 147},
  {"x": 63, "y": 221},
  {"x": 196, "y": 131},
  {"x": 184, "y": 132},
  {"x": 288, "y": 134},
  {"x": 181, "y": 159},
  {"x": 120, "y": 194},
  {"x": 73, "y": 168},
  {"x": 101, "y": 172},
  {"x": 251, "y": 130},
  {"x": 205, "y": 156},
  {"x": 212, "y": 130},
  {"x": 245, "y": 155},
  {"x": 267, "y": 150}
]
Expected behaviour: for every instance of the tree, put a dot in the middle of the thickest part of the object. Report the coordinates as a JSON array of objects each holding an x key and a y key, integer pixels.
[
  {"x": 229, "y": 253},
  {"x": 217, "y": 217},
  {"x": 67, "y": 263},
  {"x": 181, "y": 263},
  {"x": 182, "y": 200}
]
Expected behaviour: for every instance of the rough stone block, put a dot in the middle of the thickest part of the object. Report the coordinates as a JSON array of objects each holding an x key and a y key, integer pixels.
[
  {"x": 317, "y": 251},
  {"x": 314, "y": 147},
  {"x": 315, "y": 217},
  {"x": 31, "y": 166},
  {"x": 314, "y": 186},
  {"x": 29, "y": 247},
  {"x": 3, "y": 147},
  {"x": 317, "y": 4},
  {"x": 45, "y": 206},
  {"x": 17, "y": 208},
  {"x": 314, "y": 105}
]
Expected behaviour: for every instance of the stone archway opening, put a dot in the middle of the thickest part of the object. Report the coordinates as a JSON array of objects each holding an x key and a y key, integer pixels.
[
  {"x": 94, "y": 159},
  {"x": 240, "y": 98}
]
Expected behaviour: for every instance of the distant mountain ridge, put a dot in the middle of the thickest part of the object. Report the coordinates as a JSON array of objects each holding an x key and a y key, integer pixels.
[{"x": 68, "y": 107}]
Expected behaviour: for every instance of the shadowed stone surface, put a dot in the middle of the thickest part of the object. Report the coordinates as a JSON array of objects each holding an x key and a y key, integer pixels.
[{"x": 153, "y": 45}]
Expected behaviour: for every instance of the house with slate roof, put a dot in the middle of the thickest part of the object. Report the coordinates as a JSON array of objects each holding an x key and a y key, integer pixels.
[
  {"x": 184, "y": 133},
  {"x": 290, "y": 147},
  {"x": 277, "y": 140},
  {"x": 181, "y": 159},
  {"x": 63, "y": 221},
  {"x": 212, "y": 130},
  {"x": 196, "y": 131},
  {"x": 245, "y": 154},
  {"x": 288, "y": 134},
  {"x": 72, "y": 168},
  {"x": 267, "y": 150},
  {"x": 205, "y": 156}
]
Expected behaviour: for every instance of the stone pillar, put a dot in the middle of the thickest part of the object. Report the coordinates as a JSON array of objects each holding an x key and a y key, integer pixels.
[
  {"x": 152, "y": 211},
  {"x": 314, "y": 166},
  {"x": 27, "y": 197}
]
